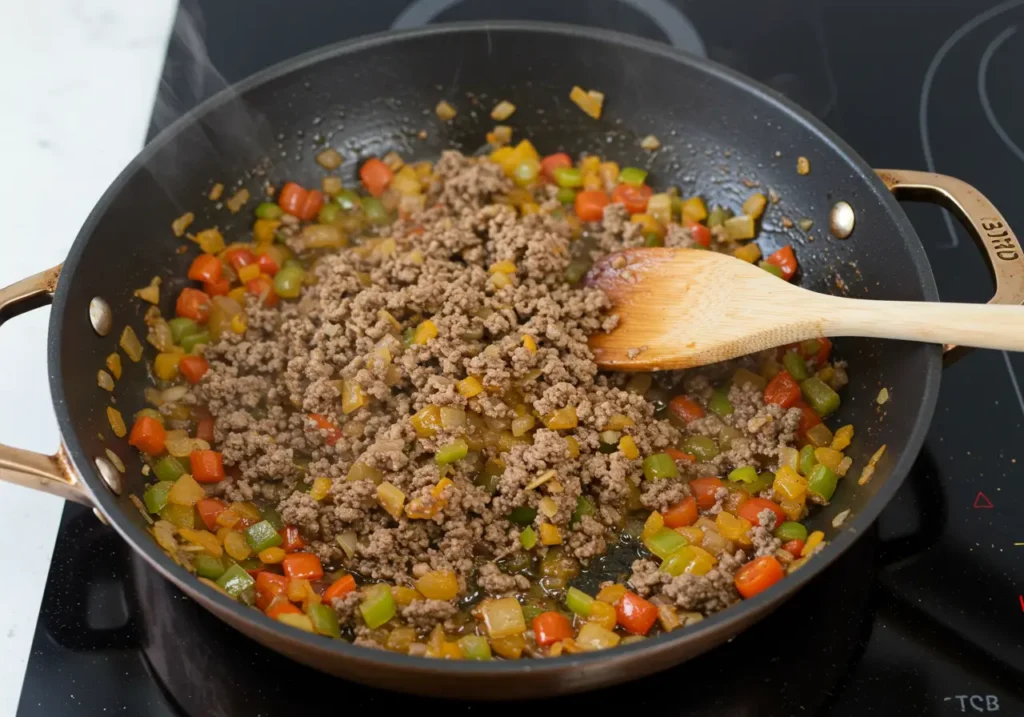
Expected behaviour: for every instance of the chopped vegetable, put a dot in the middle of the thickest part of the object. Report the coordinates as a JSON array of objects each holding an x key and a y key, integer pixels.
[
  {"x": 634, "y": 198},
  {"x": 502, "y": 111},
  {"x": 820, "y": 396},
  {"x": 578, "y": 602},
  {"x": 148, "y": 435},
  {"x": 304, "y": 566},
  {"x": 503, "y": 617},
  {"x": 659, "y": 466},
  {"x": 588, "y": 101},
  {"x": 207, "y": 466},
  {"x": 702, "y": 447},
  {"x": 783, "y": 390},
  {"x": 686, "y": 409},
  {"x": 378, "y": 604},
  {"x": 551, "y": 627},
  {"x": 790, "y": 530},
  {"x": 590, "y": 205},
  {"x": 704, "y": 490},
  {"x": 785, "y": 261},
  {"x": 822, "y": 482},
  {"x": 758, "y": 575},
  {"x": 681, "y": 514},
  {"x": 635, "y": 614},
  {"x": 235, "y": 581}
]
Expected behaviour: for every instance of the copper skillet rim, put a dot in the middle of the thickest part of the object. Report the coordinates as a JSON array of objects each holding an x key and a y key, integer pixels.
[{"x": 141, "y": 542}]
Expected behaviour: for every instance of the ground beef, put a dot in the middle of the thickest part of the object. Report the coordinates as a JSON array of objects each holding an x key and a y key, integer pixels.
[{"x": 326, "y": 387}]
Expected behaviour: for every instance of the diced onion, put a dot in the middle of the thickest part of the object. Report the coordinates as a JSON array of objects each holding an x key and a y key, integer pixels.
[
  {"x": 348, "y": 542},
  {"x": 104, "y": 381},
  {"x": 131, "y": 344}
]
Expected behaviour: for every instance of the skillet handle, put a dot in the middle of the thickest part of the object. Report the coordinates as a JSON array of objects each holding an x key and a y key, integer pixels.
[
  {"x": 50, "y": 474},
  {"x": 982, "y": 221}
]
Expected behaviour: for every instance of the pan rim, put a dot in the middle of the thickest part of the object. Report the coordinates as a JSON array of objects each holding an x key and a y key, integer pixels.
[{"x": 369, "y": 658}]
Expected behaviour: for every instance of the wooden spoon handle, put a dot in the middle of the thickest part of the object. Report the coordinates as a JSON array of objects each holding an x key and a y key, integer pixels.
[{"x": 988, "y": 326}]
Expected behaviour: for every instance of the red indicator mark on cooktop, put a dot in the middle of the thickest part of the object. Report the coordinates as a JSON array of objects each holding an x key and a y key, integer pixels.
[
  {"x": 981, "y": 501},
  {"x": 1021, "y": 598}
]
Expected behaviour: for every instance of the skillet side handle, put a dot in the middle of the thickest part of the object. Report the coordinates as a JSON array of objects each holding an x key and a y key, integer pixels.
[
  {"x": 49, "y": 474},
  {"x": 982, "y": 221}
]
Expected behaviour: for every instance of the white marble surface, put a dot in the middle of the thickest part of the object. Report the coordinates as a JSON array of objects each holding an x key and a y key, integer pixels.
[{"x": 79, "y": 82}]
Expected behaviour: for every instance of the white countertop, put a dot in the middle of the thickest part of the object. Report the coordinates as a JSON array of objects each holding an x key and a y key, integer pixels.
[{"x": 80, "y": 80}]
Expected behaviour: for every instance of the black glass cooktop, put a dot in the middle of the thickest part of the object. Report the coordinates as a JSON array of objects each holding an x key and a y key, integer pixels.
[{"x": 924, "y": 616}]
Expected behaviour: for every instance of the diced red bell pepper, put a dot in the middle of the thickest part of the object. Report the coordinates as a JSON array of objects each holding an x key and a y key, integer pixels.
[
  {"x": 375, "y": 176},
  {"x": 268, "y": 586},
  {"x": 334, "y": 433},
  {"x": 751, "y": 508},
  {"x": 221, "y": 287},
  {"x": 193, "y": 304},
  {"x": 783, "y": 390},
  {"x": 794, "y": 547},
  {"x": 342, "y": 586},
  {"x": 634, "y": 198},
  {"x": 268, "y": 264},
  {"x": 758, "y": 575},
  {"x": 551, "y": 627},
  {"x": 209, "y": 509},
  {"x": 193, "y": 368},
  {"x": 148, "y": 435},
  {"x": 204, "y": 429},
  {"x": 281, "y": 606},
  {"x": 785, "y": 259},
  {"x": 207, "y": 466},
  {"x": 635, "y": 614},
  {"x": 590, "y": 205},
  {"x": 681, "y": 514},
  {"x": 809, "y": 418},
  {"x": 292, "y": 539},
  {"x": 559, "y": 160},
  {"x": 205, "y": 267},
  {"x": 700, "y": 233},
  {"x": 686, "y": 408},
  {"x": 263, "y": 286},
  {"x": 704, "y": 490},
  {"x": 303, "y": 565},
  {"x": 678, "y": 455},
  {"x": 240, "y": 257},
  {"x": 300, "y": 202}
]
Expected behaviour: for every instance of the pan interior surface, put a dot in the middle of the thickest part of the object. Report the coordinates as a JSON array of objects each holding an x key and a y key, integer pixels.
[{"x": 721, "y": 136}]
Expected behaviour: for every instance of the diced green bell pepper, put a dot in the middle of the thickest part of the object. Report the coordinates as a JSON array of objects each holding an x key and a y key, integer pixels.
[
  {"x": 262, "y": 536},
  {"x": 583, "y": 507},
  {"x": 791, "y": 530},
  {"x": 676, "y": 563},
  {"x": 273, "y": 517},
  {"x": 522, "y": 515},
  {"x": 576, "y": 270},
  {"x": 718, "y": 215},
  {"x": 528, "y": 538},
  {"x": 190, "y": 342},
  {"x": 532, "y": 608},
  {"x": 796, "y": 365},
  {"x": 209, "y": 567},
  {"x": 169, "y": 468},
  {"x": 180, "y": 516},
  {"x": 634, "y": 176},
  {"x": 182, "y": 327},
  {"x": 234, "y": 581},
  {"x": 375, "y": 211},
  {"x": 155, "y": 496},
  {"x": 822, "y": 482},
  {"x": 566, "y": 195},
  {"x": 329, "y": 213},
  {"x": 665, "y": 542},
  {"x": 475, "y": 647},
  {"x": 743, "y": 474},
  {"x": 268, "y": 210},
  {"x": 288, "y": 282},
  {"x": 568, "y": 177},
  {"x": 771, "y": 269},
  {"x": 660, "y": 465},
  {"x": 652, "y": 239},
  {"x": 348, "y": 200},
  {"x": 764, "y": 480},
  {"x": 454, "y": 451},
  {"x": 579, "y": 602},
  {"x": 517, "y": 562},
  {"x": 806, "y": 460},
  {"x": 378, "y": 606},
  {"x": 489, "y": 477},
  {"x": 819, "y": 396},
  {"x": 325, "y": 620},
  {"x": 702, "y": 447},
  {"x": 810, "y": 348},
  {"x": 720, "y": 404}
]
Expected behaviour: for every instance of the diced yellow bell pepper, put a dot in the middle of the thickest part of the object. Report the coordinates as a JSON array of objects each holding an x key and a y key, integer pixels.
[
  {"x": 600, "y": 612},
  {"x": 611, "y": 594},
  {"x": 529, "y": 343},
  {"x": 648, "y": 224},
  {"x": 427, "y": 421},
  {"x": 595, "y": 637},
  {"x": 590, "y": 164},
  {"x": 659, "y": 206},
  {"x": 592, "y": 182},
  {"x": 562, "y": 419},
  {"x": 248, "y": 272},
  {"x": 424, "y": 332},
  {"x": 405, "y": 182},
  {"x": 550, "y": 534},
  {"x": 740, "y": 227},
  {"x": 618, "y": 421},
  {"x": 352, "y": 396},
  {"x": 263, "y": 230},
  {"x": 527, "y": 151},
  {"x": 511, "y": 647},
  {"x": 401, "y": 638},
  {"x": 469, "y": 387},
  {"x": 654, "y": 523},
  {"x": 424, "y": 510},
  {"x": 503, "y": 156},
  {"x": 692, "y": 533},
  {"x": 573, "y": 446},
  {"x": 298, "y": 620},
  {"x": 733, "y": 527},
  {"x": 239, "y": 323},
  {"x": 502, "y": 267},
  {"x": 185, "y": 491},
  {"x": 438, "y": 585},
  {"x": 694, "y": 210},
  {"x": 813, "y": 541},
  {"x": 238, "y": 294},
  {"x": 391, "y": 498},
  {"x": 272, "y": 556},
  {"x": 829, "y": 458},
  {"x": 789, "y": 484},
  {"x": 503, "y": 617},
  {"x": 165, "y": 366},
  {"x": 588, "y": 101},
  {"x": 609, "y": 174},
  {"x": 755, "y": 204},
  {"x": 404, "y": 595},
  {"x": 627, "y": 446},
  {"x": 451, "y": 651},
  {"x": 210, "y": 241},
  {"x": 749, "y": 253},
  {"x": 203, "y": 538},
  {"x": 841, "y": 439},
  {"x": 321, "y": 487},
  {"x": 794, "y": 509}
]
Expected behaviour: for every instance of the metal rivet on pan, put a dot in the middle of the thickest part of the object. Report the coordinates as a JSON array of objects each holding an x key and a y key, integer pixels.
[
  {"x": 100, "y": 316},
  {"x": 842, "y": 220},
  {"x": 102, "y": 518},
  {"x": 110, "y": 475}
]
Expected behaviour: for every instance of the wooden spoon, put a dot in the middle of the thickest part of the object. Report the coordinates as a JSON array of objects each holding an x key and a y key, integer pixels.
[{"x": 680, "y": 308}]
